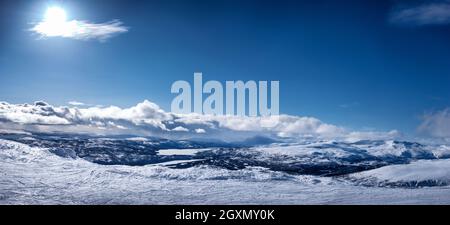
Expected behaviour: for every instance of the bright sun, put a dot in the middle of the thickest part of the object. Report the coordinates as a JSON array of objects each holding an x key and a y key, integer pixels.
[
  {"x": 55, "y": 23},
  {"x": 55, "y": 15}
]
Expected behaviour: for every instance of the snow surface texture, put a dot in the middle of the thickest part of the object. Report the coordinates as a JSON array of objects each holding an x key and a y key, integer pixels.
[
  {"x": 58, "y": 172},
  {"x": 419, "y": 173}
]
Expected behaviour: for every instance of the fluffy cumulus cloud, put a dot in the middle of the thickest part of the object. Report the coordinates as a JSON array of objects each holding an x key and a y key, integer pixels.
[
  {"x": 436, "y": 124},
  {"x": 284, "y": 126},
  {"x": 428, "y": 13},
  {"x": 147, "y": 118}
]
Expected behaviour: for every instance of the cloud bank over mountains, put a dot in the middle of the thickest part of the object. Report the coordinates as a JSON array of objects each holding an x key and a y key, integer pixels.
[{"x": 148, "y": 119}]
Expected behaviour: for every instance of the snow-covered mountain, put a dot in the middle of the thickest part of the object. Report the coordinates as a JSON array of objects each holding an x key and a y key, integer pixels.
[{"x": 42, "y": 168}]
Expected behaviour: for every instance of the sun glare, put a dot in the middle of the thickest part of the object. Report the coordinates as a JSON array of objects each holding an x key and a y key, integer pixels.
[
  {"x": 55, "y": 23},
  {"x": 55, "y": 15}
]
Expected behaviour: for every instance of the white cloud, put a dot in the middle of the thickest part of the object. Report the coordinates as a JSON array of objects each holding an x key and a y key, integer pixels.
[
  {"x": 432, "y": 13},
  {"x": 39, "y": 113},
  {"x": 356, "y": 135},
  {"x": 286, "y": 126},
  {"x": 436, "y": 124},
  {"x": 181, "y": 129},
  {"x": 147, "y": 118},
  {"x": 200, "y": 131},
  {"x": 79, "y": 30},
  {"x": 75, "y": 103}
]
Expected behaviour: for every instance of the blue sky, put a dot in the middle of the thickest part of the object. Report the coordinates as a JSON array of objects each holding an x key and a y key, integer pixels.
[{"x": 350, "y": 63}]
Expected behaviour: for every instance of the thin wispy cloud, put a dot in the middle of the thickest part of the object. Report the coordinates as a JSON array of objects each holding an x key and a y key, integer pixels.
[
  {"x": 436, "y": 124},
  {"x": 55, "y": 24},
  {"x": 80, "y": 30},
  {"x": 431, "y": 13},
  {"x": 76, "y": 103}
]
